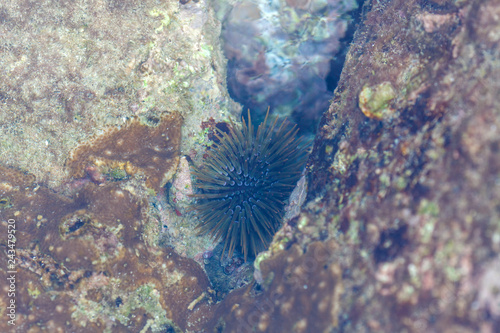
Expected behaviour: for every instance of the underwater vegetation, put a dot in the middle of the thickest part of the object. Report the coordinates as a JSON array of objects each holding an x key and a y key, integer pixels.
[{"x": 245, "y": 181}]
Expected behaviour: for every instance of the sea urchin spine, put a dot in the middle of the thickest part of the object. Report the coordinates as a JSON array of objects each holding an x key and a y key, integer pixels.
[{"x": 245, "y": 181}]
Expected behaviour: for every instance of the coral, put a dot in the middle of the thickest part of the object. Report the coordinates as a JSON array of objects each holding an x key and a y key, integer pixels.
[
  {"x": 134, "y": 148},
  {"x": 244, "y": 184}
]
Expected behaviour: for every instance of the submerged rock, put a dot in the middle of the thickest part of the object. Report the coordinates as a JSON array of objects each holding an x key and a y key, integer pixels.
[
  {"x": 399, "y": 230},
  {"x": 403, "y": 186},
  {"x": 71, "y": 70},
  {"x": 280, "y": 51}
]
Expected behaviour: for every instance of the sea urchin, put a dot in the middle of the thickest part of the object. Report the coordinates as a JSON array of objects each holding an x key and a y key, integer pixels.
[{"x": 244, "y": 183}]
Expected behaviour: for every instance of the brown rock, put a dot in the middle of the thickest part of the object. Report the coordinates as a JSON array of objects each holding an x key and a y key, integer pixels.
[{"x": 134, "y": 148}]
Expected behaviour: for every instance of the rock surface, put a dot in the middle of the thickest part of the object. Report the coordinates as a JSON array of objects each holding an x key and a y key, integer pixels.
[
  {"x": 71, "y": 70},
  {"x": 400, "y": 228},
  {"x": 404, "y": 185}
]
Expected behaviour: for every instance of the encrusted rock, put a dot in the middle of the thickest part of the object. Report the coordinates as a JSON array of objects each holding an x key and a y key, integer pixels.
[{"x": 134, "y": 148}]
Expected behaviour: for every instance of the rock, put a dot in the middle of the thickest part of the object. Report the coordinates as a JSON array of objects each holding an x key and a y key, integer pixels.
[{"x": 409, "y": 198}]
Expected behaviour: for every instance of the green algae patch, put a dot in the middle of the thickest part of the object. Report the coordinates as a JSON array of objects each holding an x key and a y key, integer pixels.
[{"x": 374, "y": 101}]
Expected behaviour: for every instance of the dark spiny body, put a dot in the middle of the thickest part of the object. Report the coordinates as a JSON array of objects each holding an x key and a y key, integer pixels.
[{"x": 245, "y": 182}]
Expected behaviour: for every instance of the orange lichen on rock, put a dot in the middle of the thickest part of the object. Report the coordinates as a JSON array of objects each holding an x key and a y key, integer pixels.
[{"x": 137, "y": 147}]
